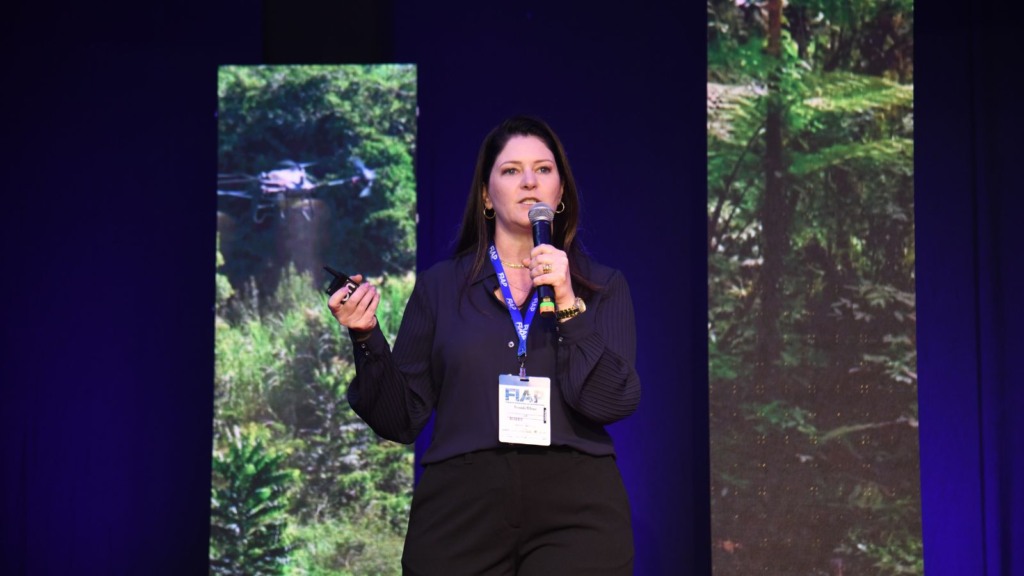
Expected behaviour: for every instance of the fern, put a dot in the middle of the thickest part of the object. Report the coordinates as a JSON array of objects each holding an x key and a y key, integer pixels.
[
  {"x": 853, "y": 93},
  {"x": 248, "y": 505},
  {"x": 898, "y": 153}
]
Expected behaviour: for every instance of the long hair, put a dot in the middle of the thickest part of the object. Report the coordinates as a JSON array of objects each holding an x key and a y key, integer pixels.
[{"x": 477, "y": 232}]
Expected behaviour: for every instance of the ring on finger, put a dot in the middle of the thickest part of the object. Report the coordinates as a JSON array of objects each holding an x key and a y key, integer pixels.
[{"x": 546, "y": 268}]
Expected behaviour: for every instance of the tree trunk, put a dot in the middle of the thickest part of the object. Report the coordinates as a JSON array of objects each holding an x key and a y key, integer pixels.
[{"x": 774, "y": 220}]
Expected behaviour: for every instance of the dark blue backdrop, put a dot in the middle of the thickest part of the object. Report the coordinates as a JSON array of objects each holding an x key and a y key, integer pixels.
[{"x": 109, "y": 155}]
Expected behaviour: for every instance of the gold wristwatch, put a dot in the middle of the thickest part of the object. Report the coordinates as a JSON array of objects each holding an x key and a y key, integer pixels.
[{"x": 576, "y": 309}]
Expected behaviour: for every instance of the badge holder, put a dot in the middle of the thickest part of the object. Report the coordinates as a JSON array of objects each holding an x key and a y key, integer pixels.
[{"x": 524, "y": 410}]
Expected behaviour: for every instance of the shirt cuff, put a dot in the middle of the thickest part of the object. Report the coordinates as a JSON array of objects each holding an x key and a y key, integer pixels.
[
  {"x": 577, "y": 328},
  {"x": 367, "y": 344}
]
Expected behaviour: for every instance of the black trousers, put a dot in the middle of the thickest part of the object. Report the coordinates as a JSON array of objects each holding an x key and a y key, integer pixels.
[{"x": 520, "y": 511}]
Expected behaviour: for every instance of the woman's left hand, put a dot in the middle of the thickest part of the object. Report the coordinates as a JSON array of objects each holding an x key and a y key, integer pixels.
[{"x": 549, "y": 265}]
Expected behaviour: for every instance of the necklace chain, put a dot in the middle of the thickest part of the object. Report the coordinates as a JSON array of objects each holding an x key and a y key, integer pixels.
[{"x": 513, "y": 265}]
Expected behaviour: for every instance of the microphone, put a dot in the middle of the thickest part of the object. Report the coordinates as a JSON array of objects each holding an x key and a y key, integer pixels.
[{"x": 541, "y": 218}]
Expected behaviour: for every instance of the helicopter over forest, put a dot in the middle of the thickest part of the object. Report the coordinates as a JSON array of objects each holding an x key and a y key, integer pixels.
[{"x": 290, "y": 185}]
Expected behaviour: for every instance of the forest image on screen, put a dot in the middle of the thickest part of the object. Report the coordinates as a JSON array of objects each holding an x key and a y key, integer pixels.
[
  {"x": 315, "y": 168},
  {"x": 811, "y": 288}
]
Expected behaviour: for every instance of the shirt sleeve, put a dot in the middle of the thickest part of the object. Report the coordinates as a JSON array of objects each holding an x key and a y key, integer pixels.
[
  {"x": 597, "y": 356},
  {"x": 392, "y": 390}
]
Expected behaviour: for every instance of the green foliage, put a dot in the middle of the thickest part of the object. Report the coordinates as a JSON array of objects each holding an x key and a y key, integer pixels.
[
  {"x": 395, "y": 292},
  {"x": 282, "y": 362},
  {"x": 842, "y": 92},
  {"x": 324, "y": 116},
  {"x": 815, "y": 457},
  {"x": 894, "y": 554},
  {"x": 777, "y": 415},
  {"x": 896, "y": 152},
  {"x": 835, "y": 120},
  {"x": 250, "y": 492},
  {"x": 381, "y": 484},
  {"x": 872, "y": 37},
  {"x": 733, "y": 62},
  {"x": 224, "y": 291},
  {"x": 338, "y": 547},
  {"x": 282, "y": 365}
]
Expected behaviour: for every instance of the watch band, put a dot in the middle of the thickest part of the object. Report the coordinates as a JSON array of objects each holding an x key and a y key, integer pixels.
[{"x": 572, "y": 311}]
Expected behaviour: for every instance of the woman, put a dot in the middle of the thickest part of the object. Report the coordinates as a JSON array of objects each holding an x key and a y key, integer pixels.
[{"x": 520, "y": 476}]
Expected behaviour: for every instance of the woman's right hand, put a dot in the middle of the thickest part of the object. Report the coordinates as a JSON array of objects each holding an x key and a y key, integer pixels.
[{"x": 359, "y": 311}]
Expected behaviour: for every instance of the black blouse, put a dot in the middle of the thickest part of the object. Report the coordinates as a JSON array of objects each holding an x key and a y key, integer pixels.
[{"x": 456, "y": 339}]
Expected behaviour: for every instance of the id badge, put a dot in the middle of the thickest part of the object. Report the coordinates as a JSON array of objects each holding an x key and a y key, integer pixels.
[{"x": 524, "y": 410}]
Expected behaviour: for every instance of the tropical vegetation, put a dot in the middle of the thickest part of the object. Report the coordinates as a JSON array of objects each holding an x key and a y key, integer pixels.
[
  {"x": 811, "y": 307},
  {"x": 300, "y": 484}
]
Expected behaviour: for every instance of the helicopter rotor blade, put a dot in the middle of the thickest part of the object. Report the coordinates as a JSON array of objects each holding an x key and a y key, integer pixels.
[
  {"x": 235, "y": 179},
  {"x": 236, "y": 194}
]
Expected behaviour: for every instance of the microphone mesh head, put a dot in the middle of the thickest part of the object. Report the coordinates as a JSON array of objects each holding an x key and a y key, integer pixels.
[{"x": 541, "y": 212}]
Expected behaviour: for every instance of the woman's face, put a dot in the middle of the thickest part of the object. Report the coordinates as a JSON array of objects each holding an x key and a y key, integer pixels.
[{"x": 523, "y": 174}]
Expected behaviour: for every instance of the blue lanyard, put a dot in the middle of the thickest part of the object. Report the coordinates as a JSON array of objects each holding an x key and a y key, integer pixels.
[{"x": 522, "y": 325}]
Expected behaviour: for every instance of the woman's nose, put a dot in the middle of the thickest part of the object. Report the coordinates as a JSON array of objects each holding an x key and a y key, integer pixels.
[{"x": 529, "y": 179}]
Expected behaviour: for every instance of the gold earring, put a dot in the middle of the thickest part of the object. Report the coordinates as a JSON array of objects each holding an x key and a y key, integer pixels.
[
  {"x": 489, "y": 216},
  {"x": 561, "y": 208}
]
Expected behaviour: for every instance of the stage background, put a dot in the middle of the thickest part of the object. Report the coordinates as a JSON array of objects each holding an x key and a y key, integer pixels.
[
  {"x": 315, "y": 167},
  {"x": 811, "y": 308},
  {"x": 109, "y": 141}
]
